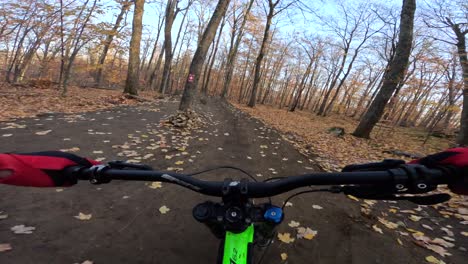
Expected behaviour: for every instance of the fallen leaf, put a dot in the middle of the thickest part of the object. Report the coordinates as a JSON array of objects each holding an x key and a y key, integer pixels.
[
  {"x": 365, "y": 210},
  {"x": 248, "y": 157},
  {"x": 59, "y": 190},
  {"x": 449, "y": 238},
  {"x": 7, "y": 135},
  {"x": 284, "y": 256},
  {"x": 446, "y": 230},
  {"x": 100, "y": 159},
  {"x": 263, "y": 146},
  {"x": 164, "y": 209},
  {"x": 168, "y": 157},
  {"x": 377, "y": 229},
  {"x": 180, "y": 162},
  {"x": 22, "y": 229},
  {"x": 318, "y": 207},
  {"x": 6, "y": 247},
  {"x": 415, "y": 218},
  {"x": 220, "y": 148},
  {"x": 352, "y": 198},
  {"x": 388, "y": 224},
  {"x": 399, "y": 241},
  {"x": 421, "y": 237},
  {"x": 438, "y": 249},
  {"x": 464, "y": 233},
  {"x": 306, "y": 233},
  {"x": 288, "y": 204},
  {"x": 125, "y": 197},
  {"x": 442, "y": 242},
  {"x": 74, "y": 149},
  {"x": 155, "y": 185},
  {"x": 42, "y": 133},
  {"x": 87, "y": 262},
  {"x": 285, "y": 238},
  {"x": 294, "y": 224},
  {"x": 98, "y": 152},
  {"x": 408, "y": 211},
  {"x": 147, "y": 156},
  {"x": 433, "y": 260},
  {"x": 3, "y": 216},
  {"x": 427, "y": 227},
  {"x": 392, "y": 210},
  {"x": 83, "y": 217}
]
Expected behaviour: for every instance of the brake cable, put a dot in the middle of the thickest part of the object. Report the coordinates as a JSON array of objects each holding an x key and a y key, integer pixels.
[
  {"x": 304, "y": 192},
  {"x": 224, "y": 167}
]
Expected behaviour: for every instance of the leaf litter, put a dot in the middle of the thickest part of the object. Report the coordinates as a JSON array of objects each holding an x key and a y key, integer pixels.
[
  {"x": 155, "y": 185},
  {"x": 285, "y": 238},
  {"x": 164, "y": 209},
  {"x": 83, "y": 217},
  {"x": 22, "y": 229},
  {"x": 5, "y": 247}
]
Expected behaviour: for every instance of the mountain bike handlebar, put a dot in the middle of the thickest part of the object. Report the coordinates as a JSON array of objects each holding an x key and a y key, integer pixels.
[{"x": 407, "y": 178}]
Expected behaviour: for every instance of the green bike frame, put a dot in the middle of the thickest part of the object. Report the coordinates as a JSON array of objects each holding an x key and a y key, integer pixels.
[{"x": 236, "y": 246}]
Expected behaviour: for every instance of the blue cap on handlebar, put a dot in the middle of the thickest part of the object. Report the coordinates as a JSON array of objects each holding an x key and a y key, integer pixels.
[{"x": 273, "y": 214}]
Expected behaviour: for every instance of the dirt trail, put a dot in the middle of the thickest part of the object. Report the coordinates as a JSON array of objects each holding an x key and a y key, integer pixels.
[{"x": 126, "y": 225}]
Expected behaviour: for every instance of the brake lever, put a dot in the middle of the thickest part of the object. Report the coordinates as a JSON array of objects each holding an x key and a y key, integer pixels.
[
  {"x": 119, "y": 164},
  {"x": 385, "y": 193},
  {"x": 427, "y": 199}
]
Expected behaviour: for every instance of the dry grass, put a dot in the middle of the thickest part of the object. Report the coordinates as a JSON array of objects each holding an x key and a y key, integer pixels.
[{"x": 335, "y": 152}]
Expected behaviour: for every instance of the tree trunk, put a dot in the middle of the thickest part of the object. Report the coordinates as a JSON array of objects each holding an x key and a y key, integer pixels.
[
  {"x": 462, "y": 139},
  {"x": 196, "y": 66},
  {"x": 77, "y": 43},
  {"x": 161, "y": 21},
  {"x": 261, "y": 54},
  {"x": 247, "y": 61},
  {"x": 124, "y": 8},
  {"x": 395, "y": 73},
  {"x": 133, "y": 73},
  {"x": 293, "y": 106},
  {"x": 210, "y": 64},
  {"x": 232, "y": 56},
  {"x": 170, "y": 16}
]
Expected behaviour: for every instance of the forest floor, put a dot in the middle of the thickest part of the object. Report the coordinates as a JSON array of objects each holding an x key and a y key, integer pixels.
[
  {"x": 37, "y": 98},
  {"x": 122, "y": 226},
  {"x": 333, "y": 152}
]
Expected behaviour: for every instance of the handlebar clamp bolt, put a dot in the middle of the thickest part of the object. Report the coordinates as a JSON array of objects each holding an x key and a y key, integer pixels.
[
  {"x": 233, "y": 214},
  {"x": 400, "y": 186},
  {"x": 422, "y": 186}
]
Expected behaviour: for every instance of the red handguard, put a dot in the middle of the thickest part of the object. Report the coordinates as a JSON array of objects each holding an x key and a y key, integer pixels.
[
  {"x": 454, "y": 156},
  {"x": 457, "y": 157},
  {"x": 41, "y": 169}
]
